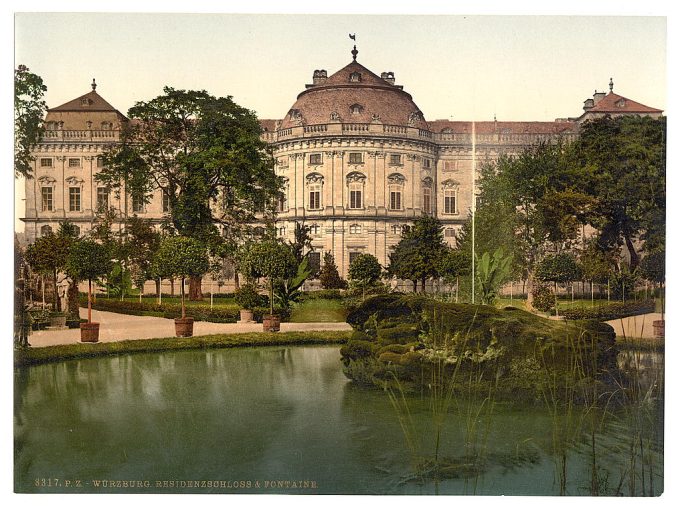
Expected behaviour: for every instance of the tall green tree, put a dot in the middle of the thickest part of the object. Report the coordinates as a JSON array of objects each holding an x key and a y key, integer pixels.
[
  {"x": 329, "y": 276},
  {"x": 624, "y": 159},
  {"x": 365, "y": 271},
  {"x": 416, "y": 257},
  {"x": 89, "y": 260},
  {"x": 29, "y": 112},
  {"x": 205, "y": 154},
  {"x": 531, "y": 204}
]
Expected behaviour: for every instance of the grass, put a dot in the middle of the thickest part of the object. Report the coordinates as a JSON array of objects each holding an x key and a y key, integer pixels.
[
  {"x": 319, "y": 310},
  {"x": 30, "y": 356}
]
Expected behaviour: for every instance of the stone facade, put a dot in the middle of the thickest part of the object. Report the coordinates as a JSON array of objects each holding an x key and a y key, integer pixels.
[{"x": 358, "y": 159}]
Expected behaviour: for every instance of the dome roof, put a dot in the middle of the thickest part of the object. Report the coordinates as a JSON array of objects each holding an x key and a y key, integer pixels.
[{"x": 354, "y": 95}]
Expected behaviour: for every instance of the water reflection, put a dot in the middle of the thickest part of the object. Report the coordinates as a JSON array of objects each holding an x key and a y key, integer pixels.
[{"x": 281, "y": 413}]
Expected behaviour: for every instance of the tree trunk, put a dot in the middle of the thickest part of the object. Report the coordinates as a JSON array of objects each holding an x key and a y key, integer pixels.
[
  {"x": 72, "y": 298},
  {"x": 415, "y": 285},
  {"x": 422, "y": 286},
  {"x": 195, "y": 292},
  {"x": 172, "y": 287},
  {"x": 634, "y": 258},
  {"x": 56, "y": 305},
  {"x": 530, "y": 294},
  {"x": 158, "y": 289},
  {"x": 89, "y": 301},
  {"x": 237, "y": 283},
  {"x": 184, "y": 312}
]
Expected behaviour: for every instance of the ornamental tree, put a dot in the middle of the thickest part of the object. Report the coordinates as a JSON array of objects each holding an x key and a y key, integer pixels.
[
  {"x": 181, "y": 257},
  {"x": 365, "y": 270},
  {"x": 88, "y": 260},
  {"x": 29, "y": 111},
  {"x": 329, "y": 276},
  {"x": 271, "y": 259},
  {"x": 559, "y": 268}
]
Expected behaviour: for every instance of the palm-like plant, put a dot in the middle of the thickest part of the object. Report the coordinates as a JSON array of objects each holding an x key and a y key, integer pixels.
[{"x": 491, "y": 274}]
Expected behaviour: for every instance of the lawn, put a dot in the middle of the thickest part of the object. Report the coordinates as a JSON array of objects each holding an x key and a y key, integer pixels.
[{"x": 319, "y": 310}]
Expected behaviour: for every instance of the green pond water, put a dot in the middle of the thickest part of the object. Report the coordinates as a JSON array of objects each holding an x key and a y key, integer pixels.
[{"x": 286, "y": 420}]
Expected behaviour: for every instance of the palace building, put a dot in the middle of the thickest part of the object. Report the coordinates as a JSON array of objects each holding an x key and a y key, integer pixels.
[{"x": 358, "y": 158}]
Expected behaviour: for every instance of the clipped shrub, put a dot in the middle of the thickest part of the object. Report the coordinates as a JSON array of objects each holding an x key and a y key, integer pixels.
[
  {"x": 358, "y": 349},
  {"x": 324, "y": 294},
  {"x": 401, "y": 334},
  {"x": 544, "y": 298},
  {"x": 610, "y": 311},
  {"x": 247, "y": 297}
]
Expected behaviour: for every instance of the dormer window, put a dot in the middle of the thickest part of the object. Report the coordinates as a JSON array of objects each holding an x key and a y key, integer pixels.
[
  {"x": 85, "y": 101},
  {"x": 356, "y": 109},
  {"x": 355, "y": 77},
  {"x": 621, "y": 103}
]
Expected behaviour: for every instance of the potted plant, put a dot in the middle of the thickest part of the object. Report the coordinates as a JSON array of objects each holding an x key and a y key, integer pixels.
[
  {"x": 273, "y": 260},
  {"x": 181, "y": 257},
  {"x": 248, "y": 299},
  {"x": 88, "y": 260}
]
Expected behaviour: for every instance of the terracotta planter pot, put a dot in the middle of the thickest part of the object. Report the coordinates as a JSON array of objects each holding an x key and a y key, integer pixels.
[
  {"x": 89, "y": 332},
  {"x": 246, "y": 316},
  {"x": 184, "y": 327},
  {"x": 271, "y": 323},
  {"x": 659, "y": 328}
]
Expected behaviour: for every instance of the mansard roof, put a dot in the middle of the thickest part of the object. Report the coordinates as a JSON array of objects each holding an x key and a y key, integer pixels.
[{"x": 493, "y": 127}]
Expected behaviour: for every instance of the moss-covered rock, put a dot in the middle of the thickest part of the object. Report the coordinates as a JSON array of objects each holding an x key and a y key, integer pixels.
[{"x": 421, "y": 342}]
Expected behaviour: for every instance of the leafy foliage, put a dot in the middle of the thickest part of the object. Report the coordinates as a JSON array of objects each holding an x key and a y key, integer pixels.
[
  {"x": 653, "y": 267},
  {"x": 559, "y": 268},
  {"x": 492, "y": 272},
  {"x": 543, "y": 297},
  {"x": 288, "y": 291},
  {"x": 29, "y": 111},
  {"x": 454, "y": 263},
  {"x": 417, "y": 255},
  {"x": 247, "y": 297},
  {"x": 181, "y": 257},
  {"x": 89, "y": 260},
  {"x": 610, "y": 311},
  {"x": 329, "y": 276}
]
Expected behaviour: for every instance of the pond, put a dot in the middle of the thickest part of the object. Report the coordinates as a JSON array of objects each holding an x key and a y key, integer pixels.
[{"x": 286, "y": 420}]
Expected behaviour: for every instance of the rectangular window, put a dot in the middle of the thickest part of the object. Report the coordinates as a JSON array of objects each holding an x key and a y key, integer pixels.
[
  {"x": 74, "y": 162},
  {"x": 395, "y": 199},
  {"x": 314, "y": 230},
  {"x": 426, "y": 163},
  {"x": 102, "y": 198},
  {"x": 282, "y": 162},
  {"x": 100, "y": 162},
  {"x": 166, "y": 202},
  {"x": 450, "y": 165},
  {"x": 449, "y": 233},
  {"x": 74, "y": 199},
  {"x": 315, "y": 197},
  {"x": 46, "y": 162},
  {"x": 355, "y": 198},
  {"x": 137, "y": 204},
  {"x": 355, "y": 229},
  {"x": 314, "y": 158},
  {"x": 46, "y": 199},
  {"x": 450, "y": 202},
  {"x": 314, "y": 262},
  {"x": 395, "y": 159},
  {"x": 356, "y": 158},
  {"x": 427, "y": 200}
]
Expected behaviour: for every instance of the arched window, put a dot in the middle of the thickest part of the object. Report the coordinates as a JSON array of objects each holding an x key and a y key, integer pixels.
[
  {"x": 282, "y": 231},
  {"x": 355, "y": 189},
  {"x": 395, "y": 184},
  {"x": 45, "y": 230},
  {"x": 282, "y": 201},
  {"x": 314, "y": 191}
]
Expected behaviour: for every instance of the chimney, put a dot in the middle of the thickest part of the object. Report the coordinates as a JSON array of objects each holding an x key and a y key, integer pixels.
[
  {"x": 587, "y": 104},
  {"x": 319, "y": 77},
  {"x": 598, "y": 96},
  {"x": 388, "y": 77}
]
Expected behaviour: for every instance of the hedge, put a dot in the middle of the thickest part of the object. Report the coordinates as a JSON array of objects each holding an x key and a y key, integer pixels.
[
  {"x": 610, "y": 311},
  {"x": 200, "y": 313}
]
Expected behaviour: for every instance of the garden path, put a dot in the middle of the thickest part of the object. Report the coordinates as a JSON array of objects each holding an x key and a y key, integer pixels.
[{"x": 118, "y": 327}]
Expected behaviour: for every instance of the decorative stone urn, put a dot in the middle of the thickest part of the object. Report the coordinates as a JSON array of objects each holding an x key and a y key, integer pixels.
[
  {"x": 184, "y": 327},
  {"x": 58, "y": 320},
  {"x": 246, "y": 316},
  {"x": 89, "y": 332},
  {"x": 271, "y": 323}
]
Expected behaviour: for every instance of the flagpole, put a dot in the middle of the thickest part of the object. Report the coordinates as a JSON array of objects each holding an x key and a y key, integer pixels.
[{"x": 474, "y": 205}]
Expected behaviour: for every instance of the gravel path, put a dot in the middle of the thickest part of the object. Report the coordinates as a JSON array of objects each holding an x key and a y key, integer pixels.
[{"x": 118, "y": 327}]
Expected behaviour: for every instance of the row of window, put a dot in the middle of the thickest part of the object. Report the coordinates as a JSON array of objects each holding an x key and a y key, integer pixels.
[
  {"x": 72, "y": 162},
  {"x": 356, "y": 158},
  {"x": 354, "y": 229},
  {"x": 46, "y": 230},
  {"x": 74, "y": 200},
  {"x": 314, "y": 201}
]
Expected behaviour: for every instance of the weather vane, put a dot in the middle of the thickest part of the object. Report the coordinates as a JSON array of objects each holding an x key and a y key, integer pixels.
[{"x": 355, "y": 52}]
